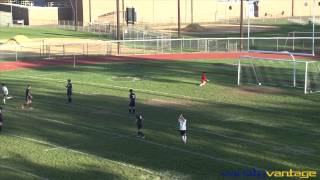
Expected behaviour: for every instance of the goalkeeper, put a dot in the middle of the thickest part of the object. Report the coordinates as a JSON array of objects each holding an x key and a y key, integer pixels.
[{"x": 204, "y": 79}]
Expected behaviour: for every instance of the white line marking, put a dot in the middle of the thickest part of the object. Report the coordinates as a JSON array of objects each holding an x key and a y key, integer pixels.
[
  {"x": 273, "y": 145},
  {"x": 158, "y": 144},
  {"x": 152, "y": 143},
  {"x": 83, "y": 153},
  {"x": 156, "y": 92},
  {"x": 23, "y": 172},
  {"x": 50, "y": 149},
  {"x": 111, "y": 86}
]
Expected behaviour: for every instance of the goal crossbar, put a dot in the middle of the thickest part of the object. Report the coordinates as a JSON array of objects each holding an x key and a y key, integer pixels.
[{"x": 293, "y": 66}]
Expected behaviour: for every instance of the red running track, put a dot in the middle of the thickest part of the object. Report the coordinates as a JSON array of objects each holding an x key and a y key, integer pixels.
[{"x": 7, "y": 66}]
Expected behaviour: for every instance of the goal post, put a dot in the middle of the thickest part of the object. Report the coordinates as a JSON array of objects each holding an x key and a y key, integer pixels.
[
  {"x": 279, "y": 73},
  {"x": 312, "y": 77}
]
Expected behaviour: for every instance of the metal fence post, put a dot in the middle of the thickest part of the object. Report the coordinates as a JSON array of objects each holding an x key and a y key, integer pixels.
[
  {"x": 207, "y": 45},
  {"x": 87, "y": 49},
  {"x": 239, "y": 72},
  {"x": 306, "y": 79},
  {"x": 293, "y": 36},
  {"x": 216, "y": 45},
  {"x": 16, "y": 54}
]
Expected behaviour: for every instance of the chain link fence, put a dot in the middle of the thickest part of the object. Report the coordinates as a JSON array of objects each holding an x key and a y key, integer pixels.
[{"x": 159, "y": 46}]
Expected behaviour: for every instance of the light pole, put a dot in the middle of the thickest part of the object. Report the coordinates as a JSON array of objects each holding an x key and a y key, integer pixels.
[
  {"x": 241, "y": 25},
  {"x": 153, "y": 11},
  {"x": 179, "y": 24},
  {"x": 123, "y": 13},
  {"x": 191, "y": 11},
  {"x": 248, "y": 19},
  {"x": 313, "y": 26},
  {"x": 76, "y": 15},
  {"x": 118, "y": 27},
  {"x": 292, "y": 8},
  {"x": 90, "y": 11}
]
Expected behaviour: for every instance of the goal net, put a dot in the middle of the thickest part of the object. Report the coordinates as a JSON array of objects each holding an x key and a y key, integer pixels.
[{"x": 279, "y": 73}]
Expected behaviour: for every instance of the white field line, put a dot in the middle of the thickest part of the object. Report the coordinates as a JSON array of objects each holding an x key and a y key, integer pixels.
[
  {"x": 197, "y": 154},
  {"x": 274, "y": 145},
  {"x": 145, "y": 141},
  {"x": 22, "y": 172},
  {"x": 280, "y": 147},
  {"x": 111, "y": 86},
  {"x": 80, "y": 152},
  {"x": 55, "y": 148}
]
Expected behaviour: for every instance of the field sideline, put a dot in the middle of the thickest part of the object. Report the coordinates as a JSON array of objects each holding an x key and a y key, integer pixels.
[{"x": 229, "y": 127}]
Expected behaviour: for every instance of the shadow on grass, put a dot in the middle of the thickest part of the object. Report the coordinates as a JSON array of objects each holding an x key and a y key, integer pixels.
[{"x": 98, "y": 120}]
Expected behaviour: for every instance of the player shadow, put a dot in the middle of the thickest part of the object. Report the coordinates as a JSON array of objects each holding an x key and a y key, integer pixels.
[
  {"x": 100, "y": 123},
  {"x": 96, "y": 118}
]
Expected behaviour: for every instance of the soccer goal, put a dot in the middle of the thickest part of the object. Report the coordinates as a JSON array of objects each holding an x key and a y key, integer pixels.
[{"x": 279, "y": 73}]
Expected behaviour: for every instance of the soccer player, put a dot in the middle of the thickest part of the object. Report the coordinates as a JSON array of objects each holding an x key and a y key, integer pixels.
[
  {"x": 183, "y": 128},
  {"x": 139, "y": 122},
  {"x": 5, "y": 92},
  {"x": 1, "y": 119},
  {"x": 132, "y": 103},
  {"x": 69, "y": 90},
  {"x": 204, "y": 79},
  {"x": 28, "y": 98}
]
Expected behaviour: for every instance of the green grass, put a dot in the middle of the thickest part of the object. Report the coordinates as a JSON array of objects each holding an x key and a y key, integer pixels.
[
  {"x": 283, "y": 31},
  {"x": 6, "y": 33},
  {"x": 229, "y": 127}
]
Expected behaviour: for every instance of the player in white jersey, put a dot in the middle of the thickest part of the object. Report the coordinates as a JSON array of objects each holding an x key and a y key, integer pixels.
[
  {"x": 183, "y": 128},
  {"x": 5, "y": 92}
]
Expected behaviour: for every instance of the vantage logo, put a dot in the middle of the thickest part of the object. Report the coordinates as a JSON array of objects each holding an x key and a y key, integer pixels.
[
  {"x": 264, "y": 174},
  {"x": 293, "y": 174}
]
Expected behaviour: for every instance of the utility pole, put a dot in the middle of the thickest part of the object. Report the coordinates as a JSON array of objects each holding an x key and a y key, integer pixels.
[
  {"x": 292, "y": 8},
  {"x": 241, "y": 25},
  {"x": 118, "y": 26},
  {"x": 90, "y": 20},
  {"x": 123, "y": 13},
  {"x": 76, "y": 15},
  {"x": 191, "y": 11},
  {"x": 179, "y": 24}
]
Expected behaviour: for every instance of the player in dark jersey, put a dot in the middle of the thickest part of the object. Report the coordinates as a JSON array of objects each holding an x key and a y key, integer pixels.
[
  {"x": 1, "y": 119},
  {"x": 28, "y": 98},
  {"x": 69, "y": 90},
  {"x": 139, "y": 123},
  {"x": 132, "y": 103}
]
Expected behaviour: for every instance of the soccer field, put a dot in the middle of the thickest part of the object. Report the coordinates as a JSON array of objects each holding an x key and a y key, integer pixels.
[{"x": 230, "y": 128}]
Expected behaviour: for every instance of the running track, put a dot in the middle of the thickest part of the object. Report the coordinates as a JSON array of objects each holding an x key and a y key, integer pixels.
[{"x": 8, "y": 66}]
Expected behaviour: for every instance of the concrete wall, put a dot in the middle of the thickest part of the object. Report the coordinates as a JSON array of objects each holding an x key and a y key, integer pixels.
[
  {"x": 43, "y": 15},
  {"x": 5, "y": 18},
  {"x": 165, "y": 11},
  {"x": 5, "y": 15},
  {"x": 98, "y": 8},
  {"x": 32, "y": 15},
  {"x": 274, "y": 8}
]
